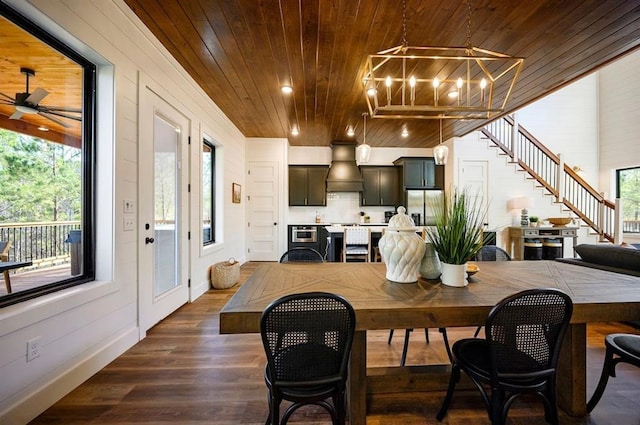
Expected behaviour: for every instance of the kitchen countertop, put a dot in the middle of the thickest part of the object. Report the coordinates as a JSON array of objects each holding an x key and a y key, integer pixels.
[{"x": 375, "y": 228}]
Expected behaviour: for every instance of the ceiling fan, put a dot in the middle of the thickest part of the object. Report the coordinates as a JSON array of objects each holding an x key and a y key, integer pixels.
[{"x": 29, "y": 103}]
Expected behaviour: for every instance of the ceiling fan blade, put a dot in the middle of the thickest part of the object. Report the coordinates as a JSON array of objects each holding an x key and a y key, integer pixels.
[
  {"x": 8, "y": 97},
  {"x": 60, "y": 108},
  {"x": 6, "y": 102},
  {"x": 60, "y": 114},
  {"x": 16, "y": 115},
  {"x": 54, "y": 119},
  {"x": 37, "y": 96}
]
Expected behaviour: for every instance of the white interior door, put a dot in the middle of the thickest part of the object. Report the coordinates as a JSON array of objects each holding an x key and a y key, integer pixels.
[
  {"x": 163, "y": 216},
  {"x": 263, "y": 212},
  {"x": 474, "y": 177}
]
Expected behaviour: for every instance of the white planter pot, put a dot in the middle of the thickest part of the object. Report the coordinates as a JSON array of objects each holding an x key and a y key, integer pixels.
[{"x": 454, "y": 275}]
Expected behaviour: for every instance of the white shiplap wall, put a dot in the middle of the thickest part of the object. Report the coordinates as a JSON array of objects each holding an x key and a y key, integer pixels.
[
  {"x": 86, "y": 327},
  {"x": 619, "y": 119}
]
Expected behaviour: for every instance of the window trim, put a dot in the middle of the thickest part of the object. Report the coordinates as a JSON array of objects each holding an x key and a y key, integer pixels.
[
  {"x": 88, "y": 159},
  {"x": 212, "y": 154},
  {"x": 618, "y": 194}
]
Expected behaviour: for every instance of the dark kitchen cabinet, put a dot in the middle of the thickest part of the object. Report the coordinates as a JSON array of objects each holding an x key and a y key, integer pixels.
[
  {"x": 307, "y": 185},
  {"x": 421, "y": 173},
  {"x": 381, "y": 186}
]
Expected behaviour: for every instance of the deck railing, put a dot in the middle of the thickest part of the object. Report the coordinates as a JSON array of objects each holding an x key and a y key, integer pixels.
[
  {"x": 554, "y": 175},
  {"x": 43, "y": 243}
]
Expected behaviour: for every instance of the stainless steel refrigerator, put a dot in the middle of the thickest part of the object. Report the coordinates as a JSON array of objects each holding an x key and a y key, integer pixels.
[{"x": 420, "y": 205}]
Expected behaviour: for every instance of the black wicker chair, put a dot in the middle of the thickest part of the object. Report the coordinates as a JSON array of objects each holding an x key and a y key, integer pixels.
[
  {"x": 626, "y": 348},
  {"x": 307, "y": 339},
  {"x": 492, "y": 253},
  {"x": 519, "y": 355},
  {"x": 301, "y": 255}
]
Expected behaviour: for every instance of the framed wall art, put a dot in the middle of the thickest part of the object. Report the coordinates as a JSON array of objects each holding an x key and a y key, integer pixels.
[{"x": 236, "y": 193}]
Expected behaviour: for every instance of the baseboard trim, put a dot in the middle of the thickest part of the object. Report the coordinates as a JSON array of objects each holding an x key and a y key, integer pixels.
[{"x": 28, "y": 408}]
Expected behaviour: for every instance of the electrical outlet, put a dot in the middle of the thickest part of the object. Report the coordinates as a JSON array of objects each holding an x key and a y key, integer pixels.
[
  {"x": 128, "y": 223},
  {"x": 33, "y": 348}
]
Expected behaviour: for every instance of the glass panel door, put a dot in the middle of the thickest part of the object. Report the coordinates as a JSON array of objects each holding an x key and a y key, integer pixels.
[{"x": 166, "y": 142}]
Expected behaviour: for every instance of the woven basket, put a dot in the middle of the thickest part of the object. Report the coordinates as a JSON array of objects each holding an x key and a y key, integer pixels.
[{"x": 225, "y": 274}]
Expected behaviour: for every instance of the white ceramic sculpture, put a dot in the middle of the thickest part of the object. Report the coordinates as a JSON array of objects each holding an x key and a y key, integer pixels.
[{"x": 401, "y": 249}]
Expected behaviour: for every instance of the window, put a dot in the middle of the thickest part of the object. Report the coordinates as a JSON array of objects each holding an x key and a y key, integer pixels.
[
  {"x": 628, "y": 190},
  {"x": 46, "y": 161},
  {"x": 208, "y": 186}
]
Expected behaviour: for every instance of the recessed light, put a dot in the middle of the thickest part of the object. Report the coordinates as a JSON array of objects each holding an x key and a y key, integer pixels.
[
  {"x": 294, "y": 131},
  {"x": 350, "y": 132},
  {"x": 286, "y": 89},
  {"x": 405, "y": 133},
  {"x": 452, "y": 94}
]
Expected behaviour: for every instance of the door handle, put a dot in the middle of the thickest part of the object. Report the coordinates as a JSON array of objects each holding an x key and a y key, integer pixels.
[
  {"x": 149, "y": 240},
  {"x": 275, "y": 224}
]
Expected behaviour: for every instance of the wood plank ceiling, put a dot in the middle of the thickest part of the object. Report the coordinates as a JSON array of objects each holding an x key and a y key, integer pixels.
[
  {"x": 54, "y": 72},
  {"x": 242, "y": 51}
]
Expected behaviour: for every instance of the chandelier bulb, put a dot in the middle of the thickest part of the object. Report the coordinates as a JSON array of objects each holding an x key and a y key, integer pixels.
[
  {"x": 459, "y": 83},
  {"x": 387, "y": 81},
  {"x": 436, "y": 82}
]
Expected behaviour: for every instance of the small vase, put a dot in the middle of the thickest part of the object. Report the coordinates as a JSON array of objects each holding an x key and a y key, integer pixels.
[
  {"x": 454, "y": 275},
  {"x": 430, "y": 266}
]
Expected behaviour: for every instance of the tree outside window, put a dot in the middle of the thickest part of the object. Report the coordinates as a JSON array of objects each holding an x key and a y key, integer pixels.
[{"x": 629, "y": 193}]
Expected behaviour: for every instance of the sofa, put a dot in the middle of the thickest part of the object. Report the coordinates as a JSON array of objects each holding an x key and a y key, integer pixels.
[{"x": 613, "y": 258}]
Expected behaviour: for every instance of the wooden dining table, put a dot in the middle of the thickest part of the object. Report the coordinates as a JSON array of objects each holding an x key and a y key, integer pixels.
[{"x": 598, "y": 296}]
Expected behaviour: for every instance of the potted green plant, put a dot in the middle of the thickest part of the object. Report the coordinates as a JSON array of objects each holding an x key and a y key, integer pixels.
[
  {"x": 533, "y": 221},
  {"x": 457, "y": 233}
]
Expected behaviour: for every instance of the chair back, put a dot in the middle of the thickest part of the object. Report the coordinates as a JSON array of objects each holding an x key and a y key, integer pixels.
[
  {"x": 524, "y": 332},
  {"x": 492, "y": 253},
  {"x": 356, "y": 235},
  {"x": 356, "y": 243},
  {"x": 301, "y": 255},
  {"x": 307, "y": 338},
  {"x": 4, "y": 250}
]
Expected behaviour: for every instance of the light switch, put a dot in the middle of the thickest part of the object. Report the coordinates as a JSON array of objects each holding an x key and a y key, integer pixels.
[{"x": 128, "y": 206}]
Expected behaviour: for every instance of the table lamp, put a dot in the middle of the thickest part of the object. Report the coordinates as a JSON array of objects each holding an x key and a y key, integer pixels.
[{"x": 522, "y": 204}]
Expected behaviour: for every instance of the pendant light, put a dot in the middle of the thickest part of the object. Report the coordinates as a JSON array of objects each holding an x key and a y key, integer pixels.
[
  {"x": 364, "y": 150},
  {"x": 440, "y": 152}
]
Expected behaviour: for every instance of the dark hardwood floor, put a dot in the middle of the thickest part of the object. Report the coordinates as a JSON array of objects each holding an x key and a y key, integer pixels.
[{"x": 185, "y": 372}]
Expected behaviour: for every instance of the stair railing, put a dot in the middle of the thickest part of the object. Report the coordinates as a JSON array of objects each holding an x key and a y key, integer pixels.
[{"x": 550, "y": 171}]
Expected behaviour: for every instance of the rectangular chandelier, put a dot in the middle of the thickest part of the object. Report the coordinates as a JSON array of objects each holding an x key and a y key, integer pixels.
[{"x": 439, "y": 82}]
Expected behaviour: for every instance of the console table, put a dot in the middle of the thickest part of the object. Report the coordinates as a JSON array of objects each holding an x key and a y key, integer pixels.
[{"x": 518, "y": 234}]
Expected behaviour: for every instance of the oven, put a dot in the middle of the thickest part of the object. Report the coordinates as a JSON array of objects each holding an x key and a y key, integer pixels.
[{"x": 304, "y": 234}]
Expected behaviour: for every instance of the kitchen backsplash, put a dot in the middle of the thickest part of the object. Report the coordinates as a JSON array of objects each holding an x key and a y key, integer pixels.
[{"x": 342, "y": 207}]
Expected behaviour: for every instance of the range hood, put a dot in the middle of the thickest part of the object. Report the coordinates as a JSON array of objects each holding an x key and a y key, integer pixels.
[{"x": 344, "y": 175}]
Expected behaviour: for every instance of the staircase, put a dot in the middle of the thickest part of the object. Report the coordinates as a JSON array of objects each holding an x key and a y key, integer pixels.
[{"x": 559, "y": 180}]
